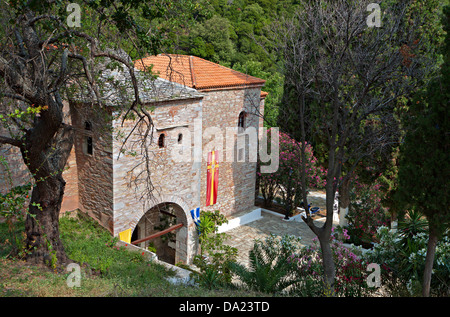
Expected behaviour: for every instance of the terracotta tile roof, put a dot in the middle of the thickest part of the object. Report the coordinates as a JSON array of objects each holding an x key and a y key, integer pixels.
[
  {"x": 264, "y": 94},
  {"x": 196, "y": 72}
]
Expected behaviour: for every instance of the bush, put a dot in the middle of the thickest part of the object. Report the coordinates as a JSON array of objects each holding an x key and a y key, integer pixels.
[
  {"x": 366, "y": 214},
  {"x": 286, "y": 181},
  {"x": 215, "y": 258},
  {"x": 284, "y": 266},
  {"x": 270, "y": 270},
  {"x": 350, "y": 269},
  {"x": 401, "y": 255}
]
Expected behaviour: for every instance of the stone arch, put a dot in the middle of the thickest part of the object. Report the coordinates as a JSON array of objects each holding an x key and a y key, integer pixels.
[
  {"x": 185, "y": 242},
  {"x": 160, "y": 199}
]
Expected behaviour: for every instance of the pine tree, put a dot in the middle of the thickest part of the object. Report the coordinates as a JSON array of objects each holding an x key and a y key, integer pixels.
[{"x": 424, "y": 171}]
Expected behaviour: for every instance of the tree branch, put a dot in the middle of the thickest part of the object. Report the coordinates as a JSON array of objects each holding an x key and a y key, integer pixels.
[{"x": 10, "y": 141}]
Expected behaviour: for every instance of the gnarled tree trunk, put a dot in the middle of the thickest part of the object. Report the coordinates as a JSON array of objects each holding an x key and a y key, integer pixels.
[
  {"x": 46, "y": 164},
  {"x": 42, "y": 223}
]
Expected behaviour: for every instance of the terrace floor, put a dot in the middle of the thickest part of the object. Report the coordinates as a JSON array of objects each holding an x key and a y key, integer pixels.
[{"x": 243, "y": 237}]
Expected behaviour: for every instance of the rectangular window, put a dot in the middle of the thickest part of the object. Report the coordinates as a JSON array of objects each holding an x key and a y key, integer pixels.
[{"x": 89, "y": 147}]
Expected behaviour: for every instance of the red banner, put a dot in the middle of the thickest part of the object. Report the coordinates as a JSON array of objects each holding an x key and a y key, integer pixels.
[{"x": 212, "y": 179}]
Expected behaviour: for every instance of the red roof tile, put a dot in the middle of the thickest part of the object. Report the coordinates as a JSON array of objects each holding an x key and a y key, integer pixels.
[{"x": 196, "y": 72}]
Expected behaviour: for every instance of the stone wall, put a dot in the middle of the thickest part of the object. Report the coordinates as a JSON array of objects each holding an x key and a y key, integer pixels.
[
  {"x": 175, "y": 178},
  {"x": 13, "y": 172},
  {"x": 95, "y": 170},
  {"x": 221, "y": 109}
]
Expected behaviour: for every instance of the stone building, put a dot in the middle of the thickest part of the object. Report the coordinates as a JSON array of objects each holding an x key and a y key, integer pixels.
[{"x": 197, "y": 107}]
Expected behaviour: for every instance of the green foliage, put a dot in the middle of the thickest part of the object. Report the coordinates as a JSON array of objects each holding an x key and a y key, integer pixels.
[
  {"x": 209, "y": 223},
  {"x": 213, "y": 39},
  {"x": 215, "y": 257},
  {"x": 13, "y": 208},
  {"x": 425, "y": 152},
  {"x": 281, "y": 265},
  {"x": 350, "y": 269},
  {"x": 270, "y": 270},
  {"x": 411, "y": 225},
  {"x": 401, "y": 256},
  {"x": 366, "y": 212},
  {"x": 234, "y": 33}
]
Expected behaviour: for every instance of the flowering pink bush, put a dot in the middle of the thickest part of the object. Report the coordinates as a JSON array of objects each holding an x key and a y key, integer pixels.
[
  {"x": 286, "y": 181},
  {"x": 350, "y": 268},
  {"x": 291, "y": 160},
  {"x": 366, "y": 212}
]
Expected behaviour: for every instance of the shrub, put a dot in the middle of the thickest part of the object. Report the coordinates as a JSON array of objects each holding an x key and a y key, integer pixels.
[
  {"x": 350, "y": 269},
  {"x": 283, "y": 265},
  {"x": 366, "y": 213},
  {"x": 215, "y": 258},
  {"x": 286, "y": 181},
  {"x": 401, "y": 256},
  {"x": 270, "y": 270}
]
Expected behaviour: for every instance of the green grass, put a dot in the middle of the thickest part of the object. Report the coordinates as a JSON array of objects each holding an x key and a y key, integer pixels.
[{"x": 106, "y": 269}]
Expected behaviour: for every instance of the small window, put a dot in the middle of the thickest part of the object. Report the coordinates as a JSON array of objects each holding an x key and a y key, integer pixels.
[
  {"x": 180, "y": 138},
  {"x": 241, "y": 120},
  {"x": 89, "y": 147},
  {"x": 161, "y": 140}
]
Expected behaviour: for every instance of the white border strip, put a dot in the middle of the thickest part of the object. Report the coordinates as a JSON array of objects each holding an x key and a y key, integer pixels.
[{"x": 242, "y": 220}]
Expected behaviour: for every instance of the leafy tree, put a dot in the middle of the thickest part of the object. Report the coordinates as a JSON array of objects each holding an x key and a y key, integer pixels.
[
  {"x": 346, "y": 78},
  {"x": 42, "y": 57},
  {"x": 423, "y": 180},
  {"x": 215, "y": 39}
]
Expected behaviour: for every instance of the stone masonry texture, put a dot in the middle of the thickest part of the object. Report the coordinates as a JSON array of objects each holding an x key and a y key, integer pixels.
[{"x": 111, "y": 184}]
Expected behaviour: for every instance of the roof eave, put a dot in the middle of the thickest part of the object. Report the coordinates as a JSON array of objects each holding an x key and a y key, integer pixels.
[{"x": 228, "y": 87}]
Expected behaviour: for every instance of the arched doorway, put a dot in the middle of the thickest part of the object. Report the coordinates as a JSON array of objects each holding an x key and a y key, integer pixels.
[{"x": 166, "y": 225}]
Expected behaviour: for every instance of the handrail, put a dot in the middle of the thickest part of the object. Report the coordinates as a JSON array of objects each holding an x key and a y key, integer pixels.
[{"x": 158, "y": 234}]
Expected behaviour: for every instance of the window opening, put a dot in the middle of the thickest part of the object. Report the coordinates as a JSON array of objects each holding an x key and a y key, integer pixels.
[
  {"x": 241, "y": 120},
  {"x": 161, "y": 140},
  {"x": 89, "y": 147}
]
